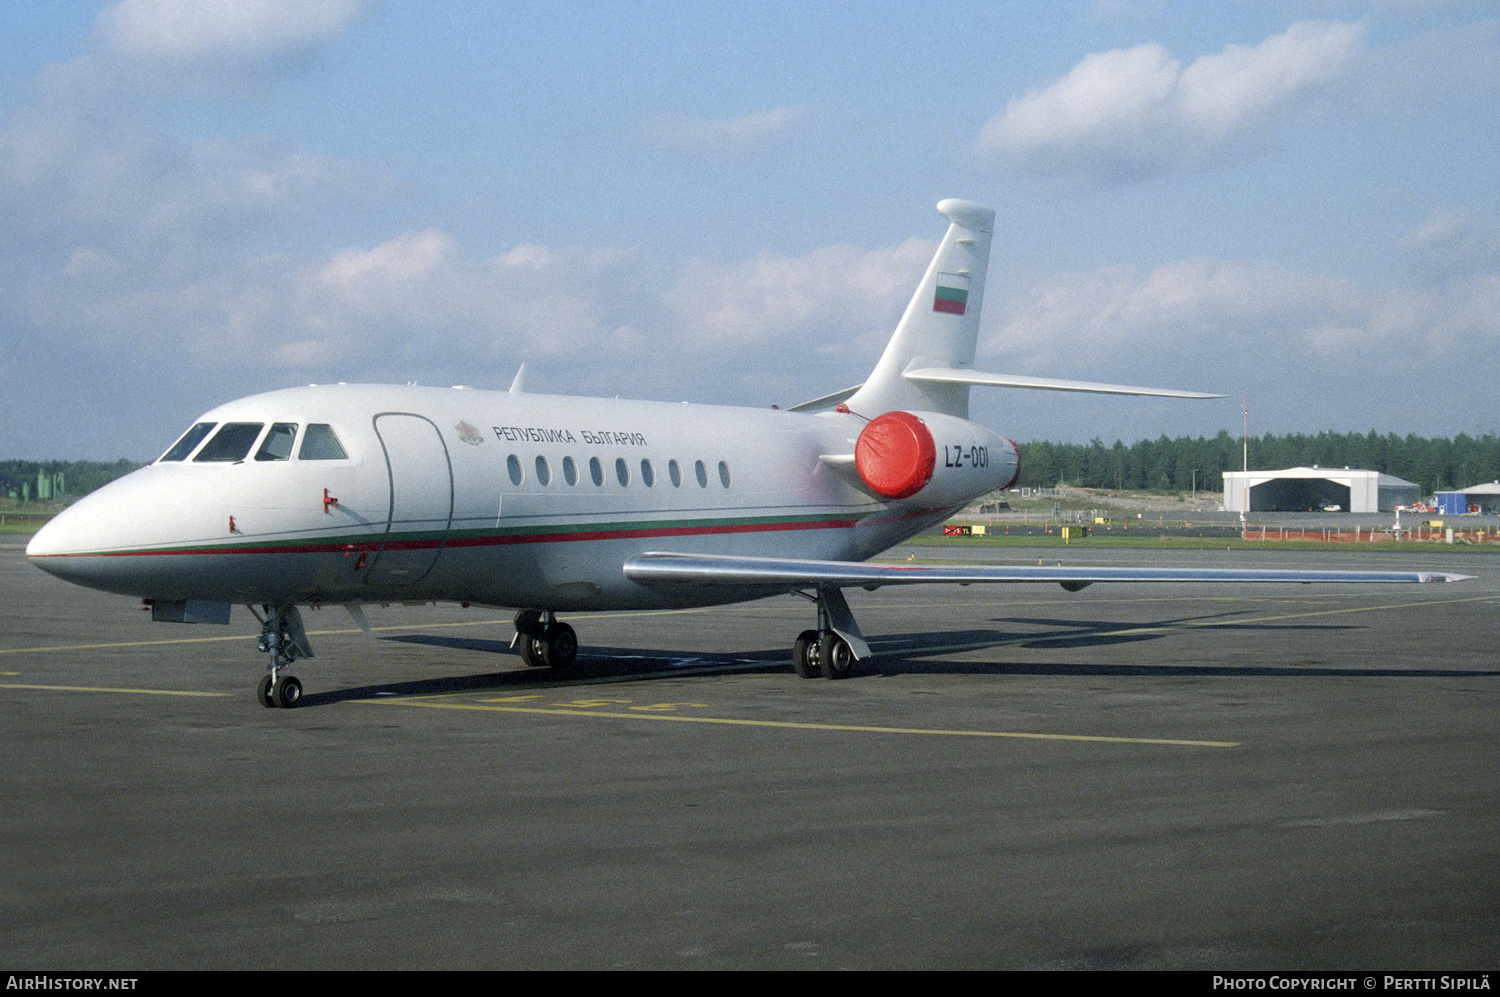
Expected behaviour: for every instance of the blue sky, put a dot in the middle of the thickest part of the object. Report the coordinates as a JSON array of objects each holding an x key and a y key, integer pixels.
[{"x": 201, "y": 199}]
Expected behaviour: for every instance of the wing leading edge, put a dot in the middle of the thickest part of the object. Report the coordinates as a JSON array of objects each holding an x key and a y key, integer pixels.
[{"x": 784, "y": 573}]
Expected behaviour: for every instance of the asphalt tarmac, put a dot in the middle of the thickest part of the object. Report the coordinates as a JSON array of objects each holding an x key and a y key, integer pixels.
[{"x": 1168, "y": 777}]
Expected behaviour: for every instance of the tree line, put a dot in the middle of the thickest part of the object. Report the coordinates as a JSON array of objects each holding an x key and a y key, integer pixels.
[
  {"x": 1160, "y": 465},
  {"x": 79, "y": 477},
  {"x": 1170, "y": 465}
]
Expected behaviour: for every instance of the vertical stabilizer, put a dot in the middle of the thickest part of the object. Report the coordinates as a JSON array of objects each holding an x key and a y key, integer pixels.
[{"x": 940, "y": 327}]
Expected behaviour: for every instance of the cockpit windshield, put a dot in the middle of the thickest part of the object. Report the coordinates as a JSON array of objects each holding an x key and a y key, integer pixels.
[
  {"x": 278, "y": 442},
  {"x": 231, "y": 443},
  {"x": 189, "y": 440},
  {"x": 319, "y": 443}
]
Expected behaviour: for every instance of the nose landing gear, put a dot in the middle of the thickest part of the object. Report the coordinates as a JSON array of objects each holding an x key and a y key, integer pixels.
[{"x": 283, "y": 641}]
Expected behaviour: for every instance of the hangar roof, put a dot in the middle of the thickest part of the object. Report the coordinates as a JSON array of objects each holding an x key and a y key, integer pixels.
[{"x": 1332, "y": 473}]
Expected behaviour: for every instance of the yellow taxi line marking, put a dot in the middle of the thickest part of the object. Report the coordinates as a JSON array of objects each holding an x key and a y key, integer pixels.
[
  {"x": 122, "y": 643},
  {"x": 89, "y": 688},
  {"x": 797, "y": 725}
]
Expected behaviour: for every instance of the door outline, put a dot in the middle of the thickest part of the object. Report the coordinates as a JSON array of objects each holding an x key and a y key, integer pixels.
[{"x": 411, "y": 460}]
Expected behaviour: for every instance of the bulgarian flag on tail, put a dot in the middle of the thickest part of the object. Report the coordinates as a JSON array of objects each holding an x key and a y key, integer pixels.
[{"x": 952, "y": 293}]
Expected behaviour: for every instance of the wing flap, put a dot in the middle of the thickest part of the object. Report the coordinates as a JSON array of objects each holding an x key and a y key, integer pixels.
[{"x": 788, "y": 573}]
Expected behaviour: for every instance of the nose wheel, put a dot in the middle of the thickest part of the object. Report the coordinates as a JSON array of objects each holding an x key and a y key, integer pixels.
[
  {"x": 283, "y": 641},
  {"x": 284, "y": 691}
]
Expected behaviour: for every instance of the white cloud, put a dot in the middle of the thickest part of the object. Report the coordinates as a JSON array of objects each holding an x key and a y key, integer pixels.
[
  {"x": 1136, "y": 111},
  {"x": 1222, "y": 319},
  {"x": 1453, "y": 242},
  {"x": 195, "y": 32},
  {"x": 404, "y": 260},
  {"x": 1111, "y": 98},
  {"x": 721, "y": 136},
  {"x": 844, "y": 290}
]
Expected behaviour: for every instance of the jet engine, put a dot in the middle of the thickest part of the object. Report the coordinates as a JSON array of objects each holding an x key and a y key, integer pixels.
[{"x": 937, "y": 460}]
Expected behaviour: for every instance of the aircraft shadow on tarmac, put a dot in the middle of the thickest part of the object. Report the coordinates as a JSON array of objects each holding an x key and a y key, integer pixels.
[
  {"x": 915, "y": 652},
  {"x": 922, "y": 652}
]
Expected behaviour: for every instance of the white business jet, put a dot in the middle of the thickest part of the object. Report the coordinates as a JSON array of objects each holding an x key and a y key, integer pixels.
[{"x": 352, "y": 494}]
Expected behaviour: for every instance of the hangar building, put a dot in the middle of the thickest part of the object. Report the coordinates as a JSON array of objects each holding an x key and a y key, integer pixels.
[
  {"x": 1480, "y": 498},
  {"x": 1304, "y": 489}
]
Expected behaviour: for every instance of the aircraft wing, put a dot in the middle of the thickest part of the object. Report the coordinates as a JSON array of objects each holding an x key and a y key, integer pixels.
[{"x": 663, "y": 569}]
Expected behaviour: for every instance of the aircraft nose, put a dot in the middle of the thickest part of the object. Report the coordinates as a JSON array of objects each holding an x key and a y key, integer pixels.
[
  {"x": 63, "y": 545},
  {"x": 59, "y": 536},
  {"x": 81, "y": 544}
]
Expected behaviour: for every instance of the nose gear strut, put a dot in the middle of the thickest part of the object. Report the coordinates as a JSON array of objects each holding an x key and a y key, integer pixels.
[{"x": 283, "y": 640}]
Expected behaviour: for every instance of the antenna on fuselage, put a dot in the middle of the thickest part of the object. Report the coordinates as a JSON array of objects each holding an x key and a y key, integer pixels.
[{"x": 518, "y": 386}]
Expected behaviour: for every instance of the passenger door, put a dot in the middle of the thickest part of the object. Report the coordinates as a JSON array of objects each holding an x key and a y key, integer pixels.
[{"x": 421, "y": 505}]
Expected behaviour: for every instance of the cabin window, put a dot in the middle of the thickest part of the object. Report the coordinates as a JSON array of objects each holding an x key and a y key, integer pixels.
[
  {"x": 570, "y": 471},
  {"x": 675, "y": 473},
  {"x": 278, "y": 442},
  {"x": 319, "y": 443},
  {"x": 596, "y": 471},
  {"x": 622, "y": 472},
  {"x": 513, "y": 465},
  {"x": 189, "y": 440},
  {"x": 231, "y": 444},
  {"x": 543, "y": 471},
  {"x": 702, "y": 474},
  {"x": 723, "y": 474},
  {"x": 648, "y": 474}
]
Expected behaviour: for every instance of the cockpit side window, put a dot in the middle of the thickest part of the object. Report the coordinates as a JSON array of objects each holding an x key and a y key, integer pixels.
[
  {"x": 189, "y": 440},
  {"x": 319, "y": 443},
  {"x": 278, "y": 442},
  {"x": 231, "y": 443}
]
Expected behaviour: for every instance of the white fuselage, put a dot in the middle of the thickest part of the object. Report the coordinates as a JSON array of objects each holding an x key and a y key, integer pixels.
[{"x": 517, "y": 500}]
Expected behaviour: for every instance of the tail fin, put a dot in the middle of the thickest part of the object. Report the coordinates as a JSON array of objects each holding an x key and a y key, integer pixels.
[{"x": 940, "y": 327}]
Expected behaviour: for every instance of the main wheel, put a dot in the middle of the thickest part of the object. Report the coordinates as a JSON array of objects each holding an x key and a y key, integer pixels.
[
  {"x": 561, "y": 644},
  {"x": 804, "y": 655},
  {"x": 533, "y": 651},
  {"x": 835, "y": 657},
  {"x": 287, "y": 692},
  {"x": 263, "y": 692}
]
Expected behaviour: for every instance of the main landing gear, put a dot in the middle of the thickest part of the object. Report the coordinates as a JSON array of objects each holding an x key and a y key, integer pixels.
[
  {"x": 831, "y": 650},
  {"x": 543, "y": 642},
  {"x": 282, "y": 640}
]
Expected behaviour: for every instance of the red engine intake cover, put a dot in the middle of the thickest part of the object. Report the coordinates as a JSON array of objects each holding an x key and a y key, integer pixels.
[{"x": 895, "y": 455}]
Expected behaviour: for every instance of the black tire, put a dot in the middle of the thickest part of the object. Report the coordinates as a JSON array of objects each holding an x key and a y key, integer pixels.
[
  {"x": 804, "y": 655},
  {"x": 263, "y": 692},
  {"x": 561, "y": 645},
  {"x": 835, "y": 657},
  {"x": 532, "y": 651},
  {"x": 287, "y": 692}
]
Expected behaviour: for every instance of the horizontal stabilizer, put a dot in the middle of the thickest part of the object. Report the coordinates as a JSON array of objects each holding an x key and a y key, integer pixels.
[
  {"x": 786, "y": 573},
  {"x": 963, "y": 375}
]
